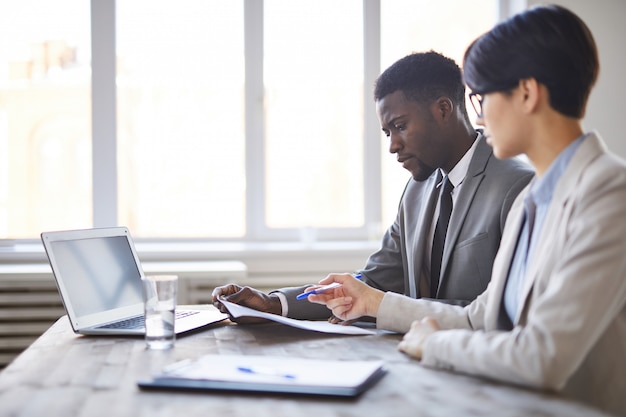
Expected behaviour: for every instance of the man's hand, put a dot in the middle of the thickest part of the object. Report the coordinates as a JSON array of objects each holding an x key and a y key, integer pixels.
[
  {"x": 247, "y": 297},
  {"x": 336, "y": 320},
  {"x": 414, "y": 341}
]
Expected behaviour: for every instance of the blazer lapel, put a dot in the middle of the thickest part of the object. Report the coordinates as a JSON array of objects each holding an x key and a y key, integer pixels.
[
  {"x": 502, "y": 263},
  {"x": 566, "y": 186}
]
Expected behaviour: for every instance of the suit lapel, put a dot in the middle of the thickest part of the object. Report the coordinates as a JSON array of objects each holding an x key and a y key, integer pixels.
[
  {"x": 473, "y": 178},
  {"x": 422, "y": 228}
]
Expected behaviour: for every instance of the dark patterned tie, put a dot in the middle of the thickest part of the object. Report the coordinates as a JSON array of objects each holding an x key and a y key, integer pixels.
[{"x": 445, "y": 208}]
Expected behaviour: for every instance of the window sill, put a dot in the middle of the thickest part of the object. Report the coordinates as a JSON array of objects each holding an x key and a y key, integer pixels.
[{"x": 285, "y": 262}]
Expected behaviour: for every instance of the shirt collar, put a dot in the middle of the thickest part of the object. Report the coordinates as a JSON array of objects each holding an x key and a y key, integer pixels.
[
  {"x": 541, "y": 190},
  {"x": 458, "y": 173}
]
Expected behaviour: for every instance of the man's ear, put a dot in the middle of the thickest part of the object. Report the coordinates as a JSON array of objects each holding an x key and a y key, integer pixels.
[{"x": 442, "y": 108}]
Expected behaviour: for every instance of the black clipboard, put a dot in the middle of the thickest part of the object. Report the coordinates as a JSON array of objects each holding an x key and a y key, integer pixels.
[{"x": 277, "y": 375}]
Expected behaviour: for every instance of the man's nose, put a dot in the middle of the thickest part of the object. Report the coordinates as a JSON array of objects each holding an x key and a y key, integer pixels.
[{"x": 394, "y": 144}]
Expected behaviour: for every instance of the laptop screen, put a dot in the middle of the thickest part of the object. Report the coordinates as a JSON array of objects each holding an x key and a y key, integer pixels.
[{"x": 98, "y": 273}]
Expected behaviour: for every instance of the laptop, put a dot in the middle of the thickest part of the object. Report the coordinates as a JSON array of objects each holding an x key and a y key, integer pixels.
[{"x": 98, "y": 274}]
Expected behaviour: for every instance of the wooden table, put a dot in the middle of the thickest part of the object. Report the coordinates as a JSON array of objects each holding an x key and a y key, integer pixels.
[{"x": 63, "y": 374}]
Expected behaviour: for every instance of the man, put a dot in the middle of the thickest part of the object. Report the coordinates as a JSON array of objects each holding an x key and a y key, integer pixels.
[
  {"x": 554, "y": 314},
  {"x": 420, "y": 102}
]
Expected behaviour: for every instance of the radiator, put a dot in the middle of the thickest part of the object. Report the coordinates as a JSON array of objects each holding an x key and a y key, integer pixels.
[
  {"x": 27, "y": 309},
  {"x": 30, "y": 302}
]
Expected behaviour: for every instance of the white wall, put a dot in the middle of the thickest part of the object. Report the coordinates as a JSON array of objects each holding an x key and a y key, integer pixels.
[{"x": 605, "y": 111}]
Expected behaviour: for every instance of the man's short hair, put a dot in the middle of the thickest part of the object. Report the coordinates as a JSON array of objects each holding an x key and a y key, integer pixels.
[
  {"x": 423, "y": 77},
  {"x": 548, "y": 43}
]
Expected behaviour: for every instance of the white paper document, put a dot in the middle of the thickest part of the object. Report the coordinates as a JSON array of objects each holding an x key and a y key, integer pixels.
[
  {"x": 318, "y": 326},
  {"x": 269, "y": 374},
  {"x": 272, "y": 370}
]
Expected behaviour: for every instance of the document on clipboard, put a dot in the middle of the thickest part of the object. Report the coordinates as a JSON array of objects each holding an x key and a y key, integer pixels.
[
  {"x": 237, "y": 310},
  {"x": 270, "y": 374}
]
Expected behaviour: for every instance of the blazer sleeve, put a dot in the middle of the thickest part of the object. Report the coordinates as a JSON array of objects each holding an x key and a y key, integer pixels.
[
  {"x": 397, "y": 313},
  {"x": 578, "y": 294}
]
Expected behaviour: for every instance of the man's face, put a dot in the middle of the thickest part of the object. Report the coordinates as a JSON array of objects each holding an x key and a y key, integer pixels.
[{"x": 413, "y": 134}]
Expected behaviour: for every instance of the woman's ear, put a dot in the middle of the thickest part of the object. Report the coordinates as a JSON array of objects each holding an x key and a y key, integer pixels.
[{"x": 532, "y": 94}]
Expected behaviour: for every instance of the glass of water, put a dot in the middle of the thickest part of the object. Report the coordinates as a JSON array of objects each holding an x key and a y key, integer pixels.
[{"x": 159, "y": 292}]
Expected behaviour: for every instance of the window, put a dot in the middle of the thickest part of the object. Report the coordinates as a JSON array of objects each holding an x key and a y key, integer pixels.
[
  {"x": 45, "y": 117},
  {"x": 235, "y": 119},
  {"x": 314, "y": 120},
  {"x": 180, "y": 113}
]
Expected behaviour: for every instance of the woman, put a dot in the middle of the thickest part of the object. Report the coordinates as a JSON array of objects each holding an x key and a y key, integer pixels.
[{"x": 554, "y": 315}]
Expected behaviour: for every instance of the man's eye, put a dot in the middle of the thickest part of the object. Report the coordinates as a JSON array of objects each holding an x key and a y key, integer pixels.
[{"x": 399, "y": 127}]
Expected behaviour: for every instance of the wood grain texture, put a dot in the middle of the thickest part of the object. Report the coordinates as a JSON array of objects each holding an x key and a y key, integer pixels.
[{"x": 62, "y": 374}]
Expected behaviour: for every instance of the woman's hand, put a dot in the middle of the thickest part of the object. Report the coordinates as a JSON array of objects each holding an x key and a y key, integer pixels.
[
  {"x": 414, "y": 341},
  {"x": 353, "y": 299}
]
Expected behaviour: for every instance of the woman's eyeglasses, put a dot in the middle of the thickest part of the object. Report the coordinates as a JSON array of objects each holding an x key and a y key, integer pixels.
[{"x": 477, "y": 102}]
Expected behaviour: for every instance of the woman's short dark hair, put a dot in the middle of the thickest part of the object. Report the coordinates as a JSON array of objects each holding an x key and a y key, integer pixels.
[
  {"x": 548, "y": 43},
  {"x": 423, "y": 77}
]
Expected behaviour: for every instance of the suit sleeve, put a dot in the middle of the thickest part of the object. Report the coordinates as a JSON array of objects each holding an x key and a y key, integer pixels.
[
  {"x": 383, "y": 271},
  {"x": 303, "y": 309},
  {"x": 512, "y": 194},
  {"x": 385, "y": 268}
]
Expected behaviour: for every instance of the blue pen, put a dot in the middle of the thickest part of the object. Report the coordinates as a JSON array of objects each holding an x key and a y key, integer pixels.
[
  {"x": 323, "y": 289},
  {"x": 264, "y": 371}
]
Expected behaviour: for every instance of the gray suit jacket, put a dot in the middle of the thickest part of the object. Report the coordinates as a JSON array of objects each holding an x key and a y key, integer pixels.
[
  {"x": 570, "y": 332},
  {"x": 489, "y": 188}
]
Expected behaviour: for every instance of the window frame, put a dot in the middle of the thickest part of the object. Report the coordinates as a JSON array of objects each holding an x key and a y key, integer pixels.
[
  {"x": 271, "y": 259},
  {"x": 104, "y": 132},
  {"x": 104, "y": 127}
]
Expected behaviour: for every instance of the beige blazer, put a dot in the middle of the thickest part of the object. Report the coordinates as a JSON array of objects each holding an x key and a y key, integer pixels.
[{"x": 570, "y": 332}]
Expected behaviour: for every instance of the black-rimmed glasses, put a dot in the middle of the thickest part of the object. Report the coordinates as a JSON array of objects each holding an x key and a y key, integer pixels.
[{"x": 477, "y": 102}]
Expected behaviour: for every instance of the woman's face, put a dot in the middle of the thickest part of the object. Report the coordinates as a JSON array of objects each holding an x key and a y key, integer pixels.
[{"x": 503, "y": 124}]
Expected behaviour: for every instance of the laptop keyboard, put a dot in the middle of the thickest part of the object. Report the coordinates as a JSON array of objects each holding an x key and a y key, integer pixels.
[{"x": 138, "y": 322}]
